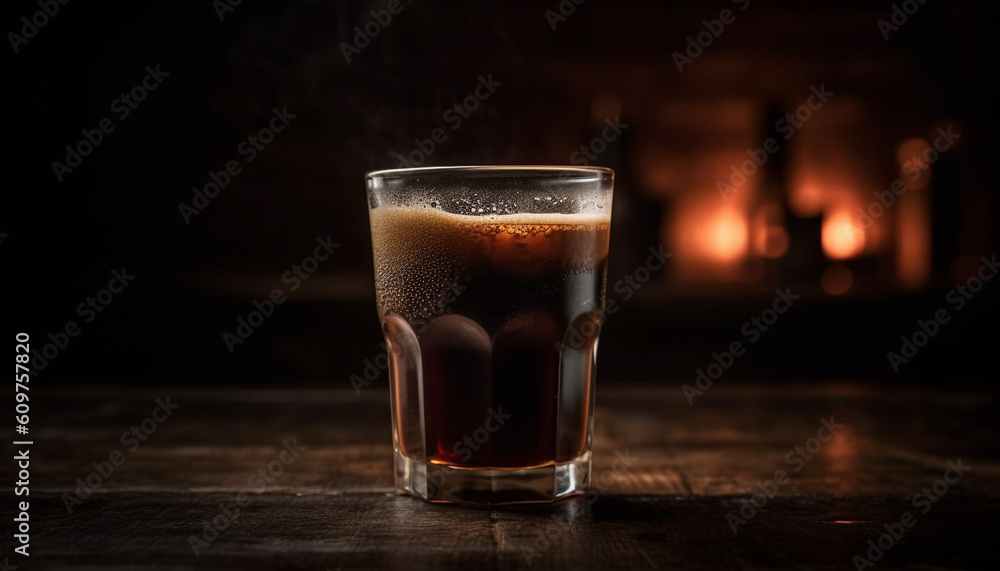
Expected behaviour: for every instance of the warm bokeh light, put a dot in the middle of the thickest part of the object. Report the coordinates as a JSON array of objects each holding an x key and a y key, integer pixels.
[
  {"x": 915, "y": 178},
  {"x": 911, "y": 151},
  {"x": 771, "y": 241},
  {"x": 913, "y": 239},
  {"x": 711, "y": 237},
  {"x": 841, "y": 238},
  {"x": 841, "y": 453},
  {"x": 837, "y": 279},
  {"x": 725, "y": 236},
  {"x": 835, "y": 183},
  {"x": 806, "y": 198}
]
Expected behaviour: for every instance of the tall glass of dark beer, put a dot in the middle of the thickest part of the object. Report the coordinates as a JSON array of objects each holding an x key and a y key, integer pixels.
[{"x": 490, "y": 284}]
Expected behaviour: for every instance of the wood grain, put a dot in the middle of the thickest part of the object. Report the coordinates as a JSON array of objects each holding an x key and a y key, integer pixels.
[{"x": 333, "y": 506}]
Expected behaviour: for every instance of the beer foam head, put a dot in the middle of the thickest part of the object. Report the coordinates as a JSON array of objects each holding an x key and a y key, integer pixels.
[
  {"x": 497, "y": 190},
  {"x": 421, "y": 254}
]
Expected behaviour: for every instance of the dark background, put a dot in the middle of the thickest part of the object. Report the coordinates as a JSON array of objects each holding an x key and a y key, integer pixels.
[{"x": 120, "y": 207}]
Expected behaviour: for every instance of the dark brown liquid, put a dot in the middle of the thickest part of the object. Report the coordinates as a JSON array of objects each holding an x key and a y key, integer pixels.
[{"x": 497, "y": 319}]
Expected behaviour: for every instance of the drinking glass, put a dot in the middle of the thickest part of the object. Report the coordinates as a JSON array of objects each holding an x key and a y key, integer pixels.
[{"x": 490, "y": 284}]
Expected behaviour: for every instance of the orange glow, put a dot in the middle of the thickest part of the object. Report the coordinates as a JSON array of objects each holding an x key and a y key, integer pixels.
[
  {"x": 911, "y": 151},
  {"x": 841, "y": 452},
  {"x": 725, "y": 236},
  {"x": 771, "y": 241},
  {"x": 806, "y": 199},
  {"x": 711, "y": 236},
  {"x": 913, "y": 239},
  {"x": 770, "y": 215},
  {"x": 837, "y": 279},
  {"x": 913, "y": 177},
  {"x": 841, "y": 238}
]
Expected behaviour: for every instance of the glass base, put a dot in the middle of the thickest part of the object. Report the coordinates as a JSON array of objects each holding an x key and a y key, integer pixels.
[{"x": 440, "y": 483}]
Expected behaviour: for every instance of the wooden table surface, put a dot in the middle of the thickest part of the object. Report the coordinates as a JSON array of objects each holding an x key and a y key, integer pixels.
[{"x": 691, "y": 469}]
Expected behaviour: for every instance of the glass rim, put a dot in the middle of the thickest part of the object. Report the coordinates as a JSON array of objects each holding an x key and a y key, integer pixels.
[{"x": 499, "y": 169}]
